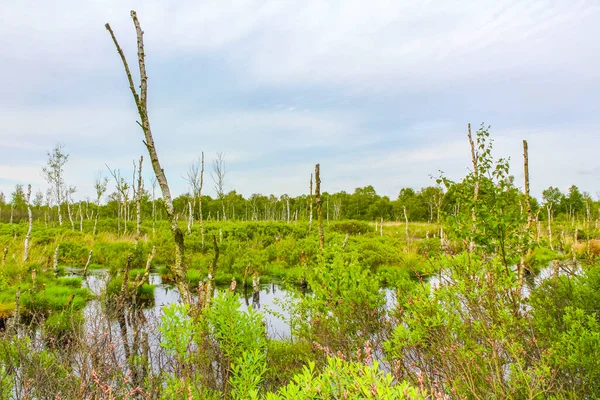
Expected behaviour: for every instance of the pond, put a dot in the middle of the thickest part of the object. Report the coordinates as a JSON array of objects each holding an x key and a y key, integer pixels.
[{"x": 268, "y": 300}]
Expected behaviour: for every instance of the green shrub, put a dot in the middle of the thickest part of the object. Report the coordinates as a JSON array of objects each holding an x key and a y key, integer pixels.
[{"x": 346, "y": 380}]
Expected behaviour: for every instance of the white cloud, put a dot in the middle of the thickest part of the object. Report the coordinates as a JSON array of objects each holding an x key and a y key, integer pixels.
[
  {"x": 345, "y": 50},
  {"x": 374, "y": 44}
]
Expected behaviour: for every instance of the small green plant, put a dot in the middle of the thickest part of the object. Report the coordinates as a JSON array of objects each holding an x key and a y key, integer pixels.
[{"x": 345, "y": 380}]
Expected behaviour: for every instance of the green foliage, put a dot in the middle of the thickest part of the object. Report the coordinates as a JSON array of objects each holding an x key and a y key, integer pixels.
[
  {"x": 247, "y": 374},
  {"x": 286, "y": 358},
  {"x": 568, "y": 327},
  {"x": 345, "y": 309},
  {"x": 351, "y": 227},
  {"x": 61, "y": 328},
  {"x": 144, "y": 294},
  {"x": 235, "y": 331},
  {"x": 345, "y": 380},
  {"x": 497, "y": 228},
  {"x": 467, "y": 333},
  {"x": 177, "y": 330}
]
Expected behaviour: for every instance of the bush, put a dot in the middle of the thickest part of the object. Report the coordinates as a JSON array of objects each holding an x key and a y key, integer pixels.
[{"x": 352, "y": 228}]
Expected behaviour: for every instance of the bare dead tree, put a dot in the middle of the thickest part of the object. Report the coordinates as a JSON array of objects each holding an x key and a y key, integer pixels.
[
  {"x": 310, "y": 206},
  {"x": 123, "y": 197},
  {"x": 210, "y": 280},
  {"x": 337, "y": 208},
  {"x": 87, "y": 264},
  {"x": 55, "y": 263},
  {"x": 138, "y": 193},
  {"x": 100, "y": 184},
  {"x": 529, "y": 214},
  {"x": 68, "y": 194},
  {"x": 195, "y": 178},
  {"x": 319, "y": 205},
  {"x": 28, "y": 236},
  {"x": 80, "y": 218},
  {"x": 406, "y": 223},
  {"x": 190, "y": 216},
  {"x": 154, "y": 183},
  {"x": 218, "y": 176},
  {"x": 178, "y": 269}
]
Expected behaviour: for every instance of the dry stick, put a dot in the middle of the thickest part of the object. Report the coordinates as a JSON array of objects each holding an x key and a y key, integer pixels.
[
  {"x": 55, "y": 264},
  {"x": 190, "y": 216},
  {"x": 319, "y": 205},
  {"x": 549, "y": 208},
  {"x": 345, "y": 241},
  {"x": 87, "y": 264},
  {"x": 125, "y": 283},
  {"x": 15, "y": 323},
  {"x": 310, "y": 206},
  {"x": 538, "y": 226},
  {"x": 28, "y": 236},
  {"x": 67, "y": 194},
  {"x": 138, "y": 198},
  {"x": 179, "y": 270},
  {"x": 4, "y": 255},
  {"x": 529, "y": 216},
  {"x": 210, "y": 281},
  {"x": 144, "y": 279},
  {"x": 476, "y": 185},
  {"x": 200, "y": 202},
  {"x": 406, "y": 224},
  {"x": 80, "y": 219}
]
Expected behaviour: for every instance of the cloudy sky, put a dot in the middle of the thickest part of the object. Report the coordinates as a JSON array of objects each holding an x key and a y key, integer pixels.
[{"x": 378, "y": 92}]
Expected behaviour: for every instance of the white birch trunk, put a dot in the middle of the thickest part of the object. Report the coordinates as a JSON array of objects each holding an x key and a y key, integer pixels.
[{"x": 28, "y": 236}]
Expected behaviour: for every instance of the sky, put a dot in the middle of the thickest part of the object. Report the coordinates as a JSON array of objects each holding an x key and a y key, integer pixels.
[{"x": 378, "y": 92}]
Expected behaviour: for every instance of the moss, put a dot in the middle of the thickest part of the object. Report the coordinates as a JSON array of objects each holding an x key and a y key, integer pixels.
[
  {"x": 70, "y": 282},
  {"x": 60, "y": 328},
  {"x": 144, "y": 295},
  {"x": 6, "y": 309}
]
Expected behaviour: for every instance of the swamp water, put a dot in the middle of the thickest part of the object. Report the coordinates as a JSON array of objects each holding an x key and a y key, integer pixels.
[{"x": 268, "y": 300}]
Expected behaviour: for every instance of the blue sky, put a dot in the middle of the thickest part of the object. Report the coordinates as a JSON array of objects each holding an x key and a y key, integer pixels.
[{"x": 378, "y": 92}]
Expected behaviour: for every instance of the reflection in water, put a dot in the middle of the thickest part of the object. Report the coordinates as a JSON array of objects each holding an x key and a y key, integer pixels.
[{"x": 267, "y": 298}]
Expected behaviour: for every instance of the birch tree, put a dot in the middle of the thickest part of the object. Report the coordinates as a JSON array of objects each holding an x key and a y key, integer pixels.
[
  {"x": 53, "y": 173},
  {"x": 140, "y": 98},
  {"x": 68, "y": 192},
  {"x": 28, "y": 236}
]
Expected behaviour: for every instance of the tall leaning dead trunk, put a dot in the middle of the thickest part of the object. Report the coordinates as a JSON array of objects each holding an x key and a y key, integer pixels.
[
  {"x": 526, "y": 234},
  {"x": 310, "y": 204},
  {"x": 319, "y": 205},
  {"x": 475, "y": 185},
  {"x": 28, "y": 236},
  {"x": 140, "y": 99}
]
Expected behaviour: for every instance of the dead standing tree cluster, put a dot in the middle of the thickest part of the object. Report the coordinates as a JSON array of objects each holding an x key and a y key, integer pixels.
[{"x": 140, "y": 99}]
